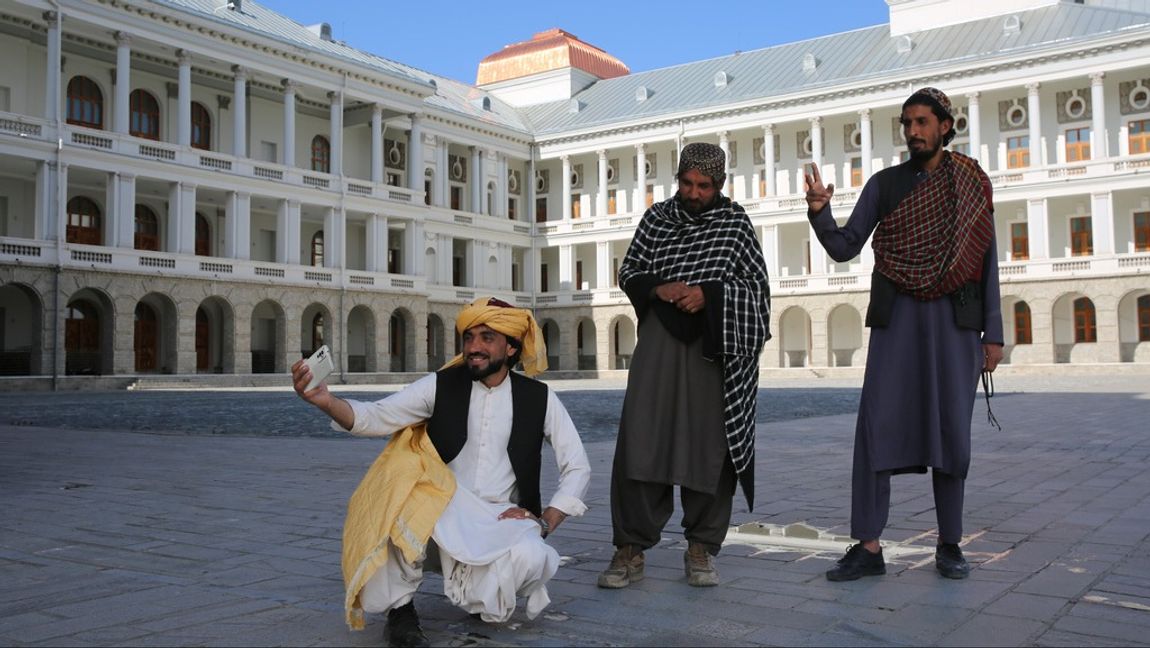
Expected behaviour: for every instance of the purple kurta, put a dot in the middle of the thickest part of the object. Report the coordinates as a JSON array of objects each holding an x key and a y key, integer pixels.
[{"x": 922, "y": 369}]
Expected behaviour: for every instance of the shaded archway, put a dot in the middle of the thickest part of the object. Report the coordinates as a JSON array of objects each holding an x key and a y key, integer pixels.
[
  {"x": 795, "y": 338},
  {"x": 436, "y": 353},
  {"x": 361, "y": 347},
  {"x": 844, "y": 336},
  {"x": 1075, "y": 328},
  {"x": 401, "y": 341},
  {"x": 154, "y": 334},
  {"x": 316, "y": 329},
  {"x": 585, "y": 344},
  {"x": 1134, "y": 326},
  {"x": 88, "y": 321},
  {"x": 622, "y": 342},
  {"x": 551, "y": 339},
  {"x": 268, "y": 337},
  {"x": 21, "y": 330},
  {"x": 215, "y": 336}
]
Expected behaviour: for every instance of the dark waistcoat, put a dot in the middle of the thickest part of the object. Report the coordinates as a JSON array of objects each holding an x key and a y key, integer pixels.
[{"x": 447, "y": 427}]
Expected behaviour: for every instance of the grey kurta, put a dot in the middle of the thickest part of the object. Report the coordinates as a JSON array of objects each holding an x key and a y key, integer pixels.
[
  {"x": 671, "y": 429},
  {"x": 922, "y": 369}
]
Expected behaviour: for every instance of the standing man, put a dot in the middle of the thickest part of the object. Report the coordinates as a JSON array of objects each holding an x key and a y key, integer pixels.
[
  {"x": 488, "y": 425},
  {"x": 935, "y": 325},
  {"x": 696, "y": 277}
]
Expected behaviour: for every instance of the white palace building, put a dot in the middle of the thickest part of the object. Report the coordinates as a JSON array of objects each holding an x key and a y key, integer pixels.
[{"x": 208, "y": 187}]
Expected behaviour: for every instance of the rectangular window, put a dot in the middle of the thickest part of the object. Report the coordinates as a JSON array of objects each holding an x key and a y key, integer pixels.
[
  {"x": 543, "y": 277},
  {"x": 393, "y": 261},
  {"x": 393, "y": 179},
  {"x": 427, "y": 192},
  {"x": 456, "y": 197},
  {"x": 541, "y": 209},
  {"x": 1081, "y": 236},
  {"x": 1144, "y": 318},
  {"x": 615, "y": 271},
  {"x": 1142, "y": 232},
  {"x": 1018, "y": 152},
  {"x": 515, "y": 277},
  {"x": 612, "y": 195},
  {"x": 1022, "y": 332},
  {"x": 576, "y": 205},
  {"x": 512, "y": 208},
  {"x": 856, "y": 172},
  {"x": 1077, "y": 144},
  {"x": 1140, "y": 137},
  {"x": 578, "y": 275},
  {"x": 456, "y": 271},
  {"x": 1019, "y": 241}
]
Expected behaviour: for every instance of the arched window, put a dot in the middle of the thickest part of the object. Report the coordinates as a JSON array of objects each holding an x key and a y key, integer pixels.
[
  {"x": 1022, "y": 334},
  {"x": 1144, "y": 318},
  {"x": 145, "y": 115},
  {"x": 85, "y": 103},
  {"x": 147, "y": 229},
  {"x": 317, "y": 249},
  {"x": 1085, "y": 327},
  {"x": 320, "y": 154},
  {"x": 317, "y": 331},
  {"x": 203, "y": 236},
  {"x": 201, "y": 127},
  {"x": 84, "y": 222}
]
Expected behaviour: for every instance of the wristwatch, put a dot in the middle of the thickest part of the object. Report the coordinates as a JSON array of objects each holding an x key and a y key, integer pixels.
[{"x": 544, "y": 526}]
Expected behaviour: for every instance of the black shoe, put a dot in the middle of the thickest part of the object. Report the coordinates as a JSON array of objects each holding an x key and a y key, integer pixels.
[
  {"x": 857, "y": 563},
  {"x": 403, "y": 628},
  {"x": 949, "y": 562}
]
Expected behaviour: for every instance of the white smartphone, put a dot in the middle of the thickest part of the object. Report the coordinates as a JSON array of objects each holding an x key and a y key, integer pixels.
[{"x": 321, "y": 366}]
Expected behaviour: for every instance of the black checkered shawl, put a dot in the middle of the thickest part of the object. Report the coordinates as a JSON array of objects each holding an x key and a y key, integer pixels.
[{"x": 716, "y": 246}]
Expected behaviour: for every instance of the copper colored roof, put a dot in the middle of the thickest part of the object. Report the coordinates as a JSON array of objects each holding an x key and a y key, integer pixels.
[{"x": 553, "y": 49}]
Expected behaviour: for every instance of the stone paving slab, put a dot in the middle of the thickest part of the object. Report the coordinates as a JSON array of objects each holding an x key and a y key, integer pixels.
[{"x": 117, "y": 537}]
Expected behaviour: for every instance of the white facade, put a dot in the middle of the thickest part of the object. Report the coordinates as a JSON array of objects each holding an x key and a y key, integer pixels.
[{"x": 430, "y": 194}]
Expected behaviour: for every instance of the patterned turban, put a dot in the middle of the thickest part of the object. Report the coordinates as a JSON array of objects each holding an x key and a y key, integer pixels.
[
  {"x": 707, "y": 159},
  {"x": 934, "y": 97},
  {"x": 510, "y": 321}
]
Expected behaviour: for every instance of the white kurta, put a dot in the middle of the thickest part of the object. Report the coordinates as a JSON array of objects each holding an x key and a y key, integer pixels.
[{"x": 486, "y": 561}]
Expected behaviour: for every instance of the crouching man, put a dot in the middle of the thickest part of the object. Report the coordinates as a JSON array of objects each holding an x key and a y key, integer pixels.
[{"x": 459, "y": 477}]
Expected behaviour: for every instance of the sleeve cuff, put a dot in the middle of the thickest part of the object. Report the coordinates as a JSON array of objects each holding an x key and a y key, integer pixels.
[
  {"x": 571, "y": 506},
  {"x": 357, "y": 428}
]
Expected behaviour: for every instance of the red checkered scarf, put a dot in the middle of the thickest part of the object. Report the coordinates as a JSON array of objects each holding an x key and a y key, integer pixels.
[{"x": 934, "y": 241}]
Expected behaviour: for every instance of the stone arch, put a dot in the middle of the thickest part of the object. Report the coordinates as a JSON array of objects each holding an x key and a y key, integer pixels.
[
  {"x": 1134, "y": 326},
  {"x": 436, "y": 340},
  {"x": 316, "y": 329},
  {"x": 361, "y": 340},
  {"x": 215, "y": 336},
  {"x": 844, "y": 336},
  {"x": 623, "y": 341},
  {"x": 155, "y": 340},
  {"x": 795, "y": 337},
  {"x": 1072, "y": 339},
  {"x": 585, "y": 344},
  {"x": 1017, "y": 329},
  {"x": 551, "y": 338},
  {"x": 89, "y": 318},
  {"x": 401, "y": 340},
  {"x": 21, "y": 330},
  {"x": 269, "y": 337}
]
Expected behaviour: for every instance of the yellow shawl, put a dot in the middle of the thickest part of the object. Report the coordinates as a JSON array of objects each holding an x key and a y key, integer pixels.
[{"x": 400, "y": 499}]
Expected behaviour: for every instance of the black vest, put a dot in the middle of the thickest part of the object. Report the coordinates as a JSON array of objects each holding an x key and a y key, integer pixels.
[{"x": 447, "y": 427}]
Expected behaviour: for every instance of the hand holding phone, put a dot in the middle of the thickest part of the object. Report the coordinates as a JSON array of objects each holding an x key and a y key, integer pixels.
[{"x": 321, "y": 366}]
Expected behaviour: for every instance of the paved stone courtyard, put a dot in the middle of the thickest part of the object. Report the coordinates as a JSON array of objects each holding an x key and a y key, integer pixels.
[{"x": 214, "y": 518}]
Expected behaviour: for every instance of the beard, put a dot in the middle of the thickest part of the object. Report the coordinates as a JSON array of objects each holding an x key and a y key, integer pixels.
[
  {"x": 696, "y": 207},
  {"x": 492, "y": 368},
  {"x": 926, "y": 152}
]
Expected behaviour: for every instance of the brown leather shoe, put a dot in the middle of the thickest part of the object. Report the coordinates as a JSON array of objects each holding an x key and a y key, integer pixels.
[
  {"x": 626, "y": 567},
  {"x": 699, "y": 566}
]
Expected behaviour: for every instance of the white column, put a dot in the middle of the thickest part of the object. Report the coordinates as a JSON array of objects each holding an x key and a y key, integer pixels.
[
  {"x": 476, "y": 180},
  {"x": 445, "y": 256},
  {"x": 1038, "y": 228},
  {"x": 974, "y": 127},
  {"x": 237, "y": 227},
  {"x": 601, "y": 189},
  {"x": 436, "y": 194},
  {"x": 53, "y": 85},
  {"x": 123, "y": 81},
  {"x": 290, "y": 88},
  {"x": 184, "y": 111},
  {"x": 640, "y": 201},
  {"x": 1102, "y": 222},
  {"x": 817, "y": 149},
  {"x": 502, "y": 194},
  {"x": 292, "y": 233},
  {"x": 531, "y": 270},
  {"x": 867, "y": 144},
  {"x": 769, "y": 160},
  {"x": 330, "y": 237},
  {"x": 1033, "y": 106},
  {"x": 603, "y": 264},
  {"x": 725, "y": 144},
  {"x": 567, "y": 268},
  {"x": 443, "y": 173},
  {"x": 49, "y": 210},
  {"x": 528, "y": 189},
  {"x": 335, "y": 121},
  {"x": 566, "y": 187},
  {"x": 125, "y": 236},
  {"x": 377, "y": 144},
  {"x": 473, "y": 276},
  {"x": 413, "y": 251},
  {"x": 375, "y": 235},
  {"x": 415, "y": 154},
  {"x": 771, "y": 249},
  {"x": 182, "y": 218},
  {"x": 818, "y": 254},
  {"x": 1099, "y": 147},
  {"x": 240, "y": 112},
  {"x": 111, "y": 208}
]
